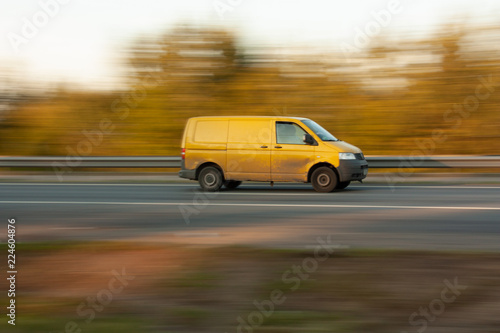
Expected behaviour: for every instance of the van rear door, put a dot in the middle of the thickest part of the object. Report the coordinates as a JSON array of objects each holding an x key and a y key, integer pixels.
[{"x": 206, "y": 141}]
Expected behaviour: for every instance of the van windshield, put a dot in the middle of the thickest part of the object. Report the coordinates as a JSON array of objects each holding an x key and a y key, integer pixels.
[{"x": 322, "y": 133}]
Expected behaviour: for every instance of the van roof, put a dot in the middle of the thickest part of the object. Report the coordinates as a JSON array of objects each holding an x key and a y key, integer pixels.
[{"x": 250, "y": 117}]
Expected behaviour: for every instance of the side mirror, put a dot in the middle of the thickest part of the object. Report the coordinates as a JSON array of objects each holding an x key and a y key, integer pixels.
[{"x": 308, "y": 139}]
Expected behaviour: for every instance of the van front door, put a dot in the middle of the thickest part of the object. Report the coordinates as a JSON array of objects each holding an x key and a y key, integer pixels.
[
  {"x": 290, "y": 155},
  {"x": 249, "y": 150}
]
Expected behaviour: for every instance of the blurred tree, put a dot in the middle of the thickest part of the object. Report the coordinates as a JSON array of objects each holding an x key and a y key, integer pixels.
[{"x": 386, "y": 100}]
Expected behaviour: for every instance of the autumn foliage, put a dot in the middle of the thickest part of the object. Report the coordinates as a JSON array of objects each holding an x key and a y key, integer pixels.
[{"x": 436, "y": 96}]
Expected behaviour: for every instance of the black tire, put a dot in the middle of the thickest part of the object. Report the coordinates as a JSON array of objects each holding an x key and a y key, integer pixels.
[
  {"x": 324, "y": 180},
  {"x": 231, "y": 184},
  {"x": 342, "y": 185},
  {"x": 210, "y": 179}
]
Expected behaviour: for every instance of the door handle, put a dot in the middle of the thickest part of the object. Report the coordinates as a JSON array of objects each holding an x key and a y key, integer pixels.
[
  {"x": 279, "y": 147},
  {"x": 263, "y": 146}
]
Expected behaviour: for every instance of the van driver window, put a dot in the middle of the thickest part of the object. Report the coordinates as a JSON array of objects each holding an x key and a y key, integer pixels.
[{"x": 289, "y": 133}]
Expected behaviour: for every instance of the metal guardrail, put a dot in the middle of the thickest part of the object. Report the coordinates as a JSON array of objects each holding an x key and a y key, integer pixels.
[
  {"x": 90, "y": 162},
  {"x": 423, "y": 162},
  {"x": 169, "y": 162}
]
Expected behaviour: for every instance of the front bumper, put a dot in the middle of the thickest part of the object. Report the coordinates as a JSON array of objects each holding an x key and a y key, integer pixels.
[{"x": 350, "y": 170}]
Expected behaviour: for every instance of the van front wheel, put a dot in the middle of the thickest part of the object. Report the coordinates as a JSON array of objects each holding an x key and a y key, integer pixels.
[
  {"x": 210, "y": 179},
  {"x": 324, "y": 180}
]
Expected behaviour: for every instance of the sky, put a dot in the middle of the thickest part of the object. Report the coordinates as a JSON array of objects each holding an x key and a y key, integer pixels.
[{"x": 82, "y": 41}]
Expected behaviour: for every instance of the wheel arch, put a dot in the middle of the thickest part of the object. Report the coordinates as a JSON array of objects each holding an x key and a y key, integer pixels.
[
  {"x": 319, "y": 165},
  {"x": 207, "y": 164}
]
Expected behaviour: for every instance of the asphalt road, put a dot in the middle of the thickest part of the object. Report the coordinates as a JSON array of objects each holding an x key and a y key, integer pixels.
[{"x": 287, "y": 215}]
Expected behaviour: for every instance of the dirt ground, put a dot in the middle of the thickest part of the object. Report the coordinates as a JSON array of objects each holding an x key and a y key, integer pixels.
[{"x": 126, "y": 287}]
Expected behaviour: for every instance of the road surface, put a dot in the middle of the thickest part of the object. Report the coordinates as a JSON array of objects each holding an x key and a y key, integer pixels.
[{"x": 444, "y": 217}]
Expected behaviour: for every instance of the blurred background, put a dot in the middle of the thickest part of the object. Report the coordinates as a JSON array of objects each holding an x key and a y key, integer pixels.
[{"x": 383, "y": 75}]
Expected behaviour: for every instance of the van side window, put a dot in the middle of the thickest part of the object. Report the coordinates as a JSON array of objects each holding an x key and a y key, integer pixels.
[{"x": 289, "y": 133}]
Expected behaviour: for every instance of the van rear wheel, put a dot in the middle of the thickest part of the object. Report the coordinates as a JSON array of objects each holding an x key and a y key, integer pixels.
[
  {"x": 324, "y": 180},
  {"x": 210, "y": 179},
  {"x": 231, "y": 184}
]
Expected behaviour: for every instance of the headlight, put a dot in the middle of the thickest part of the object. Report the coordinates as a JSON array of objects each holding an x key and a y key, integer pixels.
[{"x": 347, "y": 156}]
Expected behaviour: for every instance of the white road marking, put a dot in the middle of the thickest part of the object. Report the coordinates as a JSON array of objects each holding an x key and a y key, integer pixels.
[
  {"x": 93, "y": 184},
  {"x": 312, "y": 193},
  {"x": 427, "y": 186},
  {"x": 215, "y": 204}
]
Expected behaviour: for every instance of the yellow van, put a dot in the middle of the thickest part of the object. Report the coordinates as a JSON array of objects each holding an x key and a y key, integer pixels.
[{"x": 219, "y": 151}]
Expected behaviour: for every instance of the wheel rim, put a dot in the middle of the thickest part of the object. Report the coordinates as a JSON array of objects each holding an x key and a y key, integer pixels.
[
  {"x": 324, "y": 180},
  {"x": 210, "y": 179}
]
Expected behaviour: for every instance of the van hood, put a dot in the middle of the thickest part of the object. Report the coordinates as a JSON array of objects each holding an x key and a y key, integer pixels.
[{"x": 342, "y": 147}]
